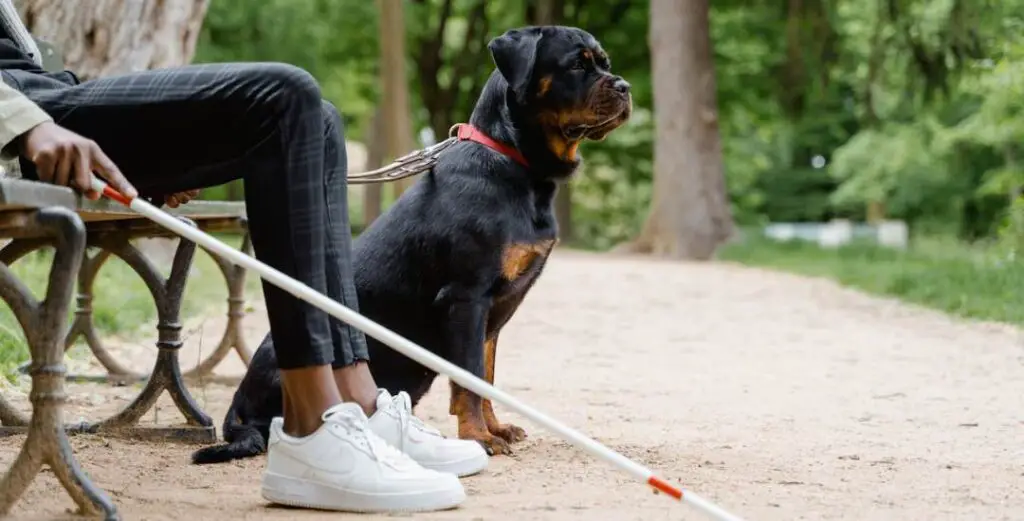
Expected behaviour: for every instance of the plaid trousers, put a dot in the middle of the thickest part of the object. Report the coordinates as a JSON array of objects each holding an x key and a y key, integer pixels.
[{"x": 199, "y": 126}]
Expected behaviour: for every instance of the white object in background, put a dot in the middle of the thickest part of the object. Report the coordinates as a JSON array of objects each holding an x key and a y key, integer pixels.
[
  {"x": 893, "y": 234},
  {"x": 427, "y": 137},
  {"x": 836, "y": 233},
  {"x": 780, "y": 231}
]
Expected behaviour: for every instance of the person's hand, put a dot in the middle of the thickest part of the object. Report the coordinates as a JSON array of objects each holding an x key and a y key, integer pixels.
[
  {"x": 65, "y": 158},
  {"x": 180, "y": 198}
]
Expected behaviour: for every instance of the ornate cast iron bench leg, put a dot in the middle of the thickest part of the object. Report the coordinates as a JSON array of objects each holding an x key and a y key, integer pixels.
[
  {"x": 233, "y": 337},
  {"x": 166, "y": 373},
  {"x": 83, "y": 325},
  {"x": 44, "y": 326},
  {"x": 9, "y": 416}
]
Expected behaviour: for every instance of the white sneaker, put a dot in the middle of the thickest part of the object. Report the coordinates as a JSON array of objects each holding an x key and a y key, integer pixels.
[
  {"x": 345, "y": 466},
  {"x": 395, "y": 423}
]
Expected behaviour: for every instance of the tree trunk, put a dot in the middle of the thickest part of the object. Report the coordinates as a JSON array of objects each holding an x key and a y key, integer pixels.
[
  {"x": 875, "y": 212},
  {"x": 551, "y": 12},
  {"x": 690, "y": 214},
  {"x": 107, "y": 37},
  {"x": 395, "y": 85},
  {"x": 375, "y": 146}
]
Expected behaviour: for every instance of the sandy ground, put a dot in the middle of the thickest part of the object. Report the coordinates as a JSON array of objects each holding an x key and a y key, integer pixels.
[{"x": 776, "y": 396}]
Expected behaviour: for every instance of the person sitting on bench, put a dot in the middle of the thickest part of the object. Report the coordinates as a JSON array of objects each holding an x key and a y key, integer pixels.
[{"x": 164, "y": 134}]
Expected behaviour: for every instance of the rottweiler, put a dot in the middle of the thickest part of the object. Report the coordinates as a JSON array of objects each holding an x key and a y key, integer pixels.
[{"x": 450, "y": 262}]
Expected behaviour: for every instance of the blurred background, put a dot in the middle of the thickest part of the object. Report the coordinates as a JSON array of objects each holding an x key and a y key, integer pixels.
[{"x": 878, "y": 142}]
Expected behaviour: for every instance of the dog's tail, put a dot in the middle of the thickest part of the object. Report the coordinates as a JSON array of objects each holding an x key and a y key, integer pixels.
[{"x": 244, "y": 440}]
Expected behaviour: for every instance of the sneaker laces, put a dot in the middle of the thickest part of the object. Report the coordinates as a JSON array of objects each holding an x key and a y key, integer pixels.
[
  {"x": 379, "y": 449},
  {"x": 402, "y": 405}
]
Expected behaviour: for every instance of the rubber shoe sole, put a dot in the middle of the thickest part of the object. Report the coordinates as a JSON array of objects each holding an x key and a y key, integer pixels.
[
  {"x": 461, "y": 468},
  {"x": 295, "y": 492}
]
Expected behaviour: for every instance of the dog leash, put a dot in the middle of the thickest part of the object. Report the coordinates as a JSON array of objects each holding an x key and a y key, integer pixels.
[
  {"x": 419, "y": 161},
  {"x": 413, "y": 163},
  {"x": 414, "y": 351}
]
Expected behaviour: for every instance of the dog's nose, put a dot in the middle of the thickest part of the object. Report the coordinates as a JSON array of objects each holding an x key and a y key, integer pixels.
[{"x": 621, "y": 85}]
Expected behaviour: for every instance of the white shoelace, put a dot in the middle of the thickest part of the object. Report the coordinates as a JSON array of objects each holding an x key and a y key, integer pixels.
[
  {"x": 379, "y": 449},
  {"x": 402, "y": 404}
]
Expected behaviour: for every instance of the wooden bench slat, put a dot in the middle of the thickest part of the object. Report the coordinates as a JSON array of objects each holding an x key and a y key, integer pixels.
[
  {"x": 107, "y": 210},
  {"x": 21, "y": 194}
]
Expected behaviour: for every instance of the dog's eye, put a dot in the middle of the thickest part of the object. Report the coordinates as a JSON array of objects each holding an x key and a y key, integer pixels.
[{"x": 579, "y": 65}]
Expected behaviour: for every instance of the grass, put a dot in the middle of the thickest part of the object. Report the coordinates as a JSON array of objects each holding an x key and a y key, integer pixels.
[
  {"x": 967, "y": 281},
  {"x": 121, "y": 302}
]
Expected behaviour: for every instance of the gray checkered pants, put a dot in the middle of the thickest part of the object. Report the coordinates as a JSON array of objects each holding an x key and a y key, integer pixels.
[{"x": 199, "y": 126}]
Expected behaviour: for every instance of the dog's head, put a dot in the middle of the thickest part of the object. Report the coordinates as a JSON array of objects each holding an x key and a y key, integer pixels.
[{"x": 562, "y": 78}]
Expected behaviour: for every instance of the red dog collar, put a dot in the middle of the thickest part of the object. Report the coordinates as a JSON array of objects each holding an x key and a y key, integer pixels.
[{"x": 467, "y": 132}]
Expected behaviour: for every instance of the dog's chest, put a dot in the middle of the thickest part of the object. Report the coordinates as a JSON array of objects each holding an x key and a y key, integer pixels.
[
  {"x": 517, "y": 258},
  {"x": 522, "y": 258}
]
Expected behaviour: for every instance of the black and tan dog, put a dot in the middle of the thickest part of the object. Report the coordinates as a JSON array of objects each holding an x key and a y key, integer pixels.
[{"x": 448, "y": 264}]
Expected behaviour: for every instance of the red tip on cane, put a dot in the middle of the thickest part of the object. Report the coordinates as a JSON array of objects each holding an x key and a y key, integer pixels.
[
  {"x": 663, "y": 486},
  {"x": 117, "y": 196}
]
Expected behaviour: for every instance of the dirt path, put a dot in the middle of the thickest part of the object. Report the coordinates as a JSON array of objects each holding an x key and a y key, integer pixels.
[{"x": 776, "y": 396}]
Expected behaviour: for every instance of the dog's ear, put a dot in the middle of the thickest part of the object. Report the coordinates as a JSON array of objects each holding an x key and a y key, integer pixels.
[{"x": 515, "y": 55}]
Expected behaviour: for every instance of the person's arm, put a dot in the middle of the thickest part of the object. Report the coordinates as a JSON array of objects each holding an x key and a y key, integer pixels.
[
  {"x": 18, "y": 115},
  {"x": 61, "y": 156}
]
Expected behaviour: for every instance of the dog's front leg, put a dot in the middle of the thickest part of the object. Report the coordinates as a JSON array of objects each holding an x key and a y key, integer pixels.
[
  {"x": 467, "y": 319},
  {"x": 506, "y": 431}
]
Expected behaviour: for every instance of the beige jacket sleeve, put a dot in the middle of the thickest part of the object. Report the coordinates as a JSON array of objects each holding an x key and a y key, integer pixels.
[{"x": 18, "y": 115}]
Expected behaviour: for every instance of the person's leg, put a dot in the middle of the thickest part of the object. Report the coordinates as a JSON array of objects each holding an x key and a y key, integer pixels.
[
  {"x": 351, "y": 357},
  {"x": 178, "y": 129},
  {"x": 391, "y": 417},
  {"x": 194, "y": 127},
  {"x": 174, "y": 130}
]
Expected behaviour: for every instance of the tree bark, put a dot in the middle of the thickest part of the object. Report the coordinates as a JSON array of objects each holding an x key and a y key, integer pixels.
[
  {"x": 690, "y": 214},
  {"x": 107, "y": 37},
  {"x": 375, "y": 145},
  {"x": 395, "y": 85}
]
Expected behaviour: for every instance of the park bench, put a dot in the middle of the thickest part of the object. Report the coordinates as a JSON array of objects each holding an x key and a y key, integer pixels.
[{"x": 35, "y": 215}]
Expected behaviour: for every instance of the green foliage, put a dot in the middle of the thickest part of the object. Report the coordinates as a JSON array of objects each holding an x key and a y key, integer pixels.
[
  {"x": 336, "y": 41},
  {"x": 911, "y": 178},
  {"x": 824, "y": 107},
  {"x": 1011, "y": 232},
  {"x": 609, "y": 198},
  {"x": 940, "y": 159}
]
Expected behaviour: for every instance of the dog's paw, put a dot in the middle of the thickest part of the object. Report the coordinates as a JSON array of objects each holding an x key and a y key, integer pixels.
[
  {"x": 510, "y": 433},
  {"x": 494, "y": 445}
]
